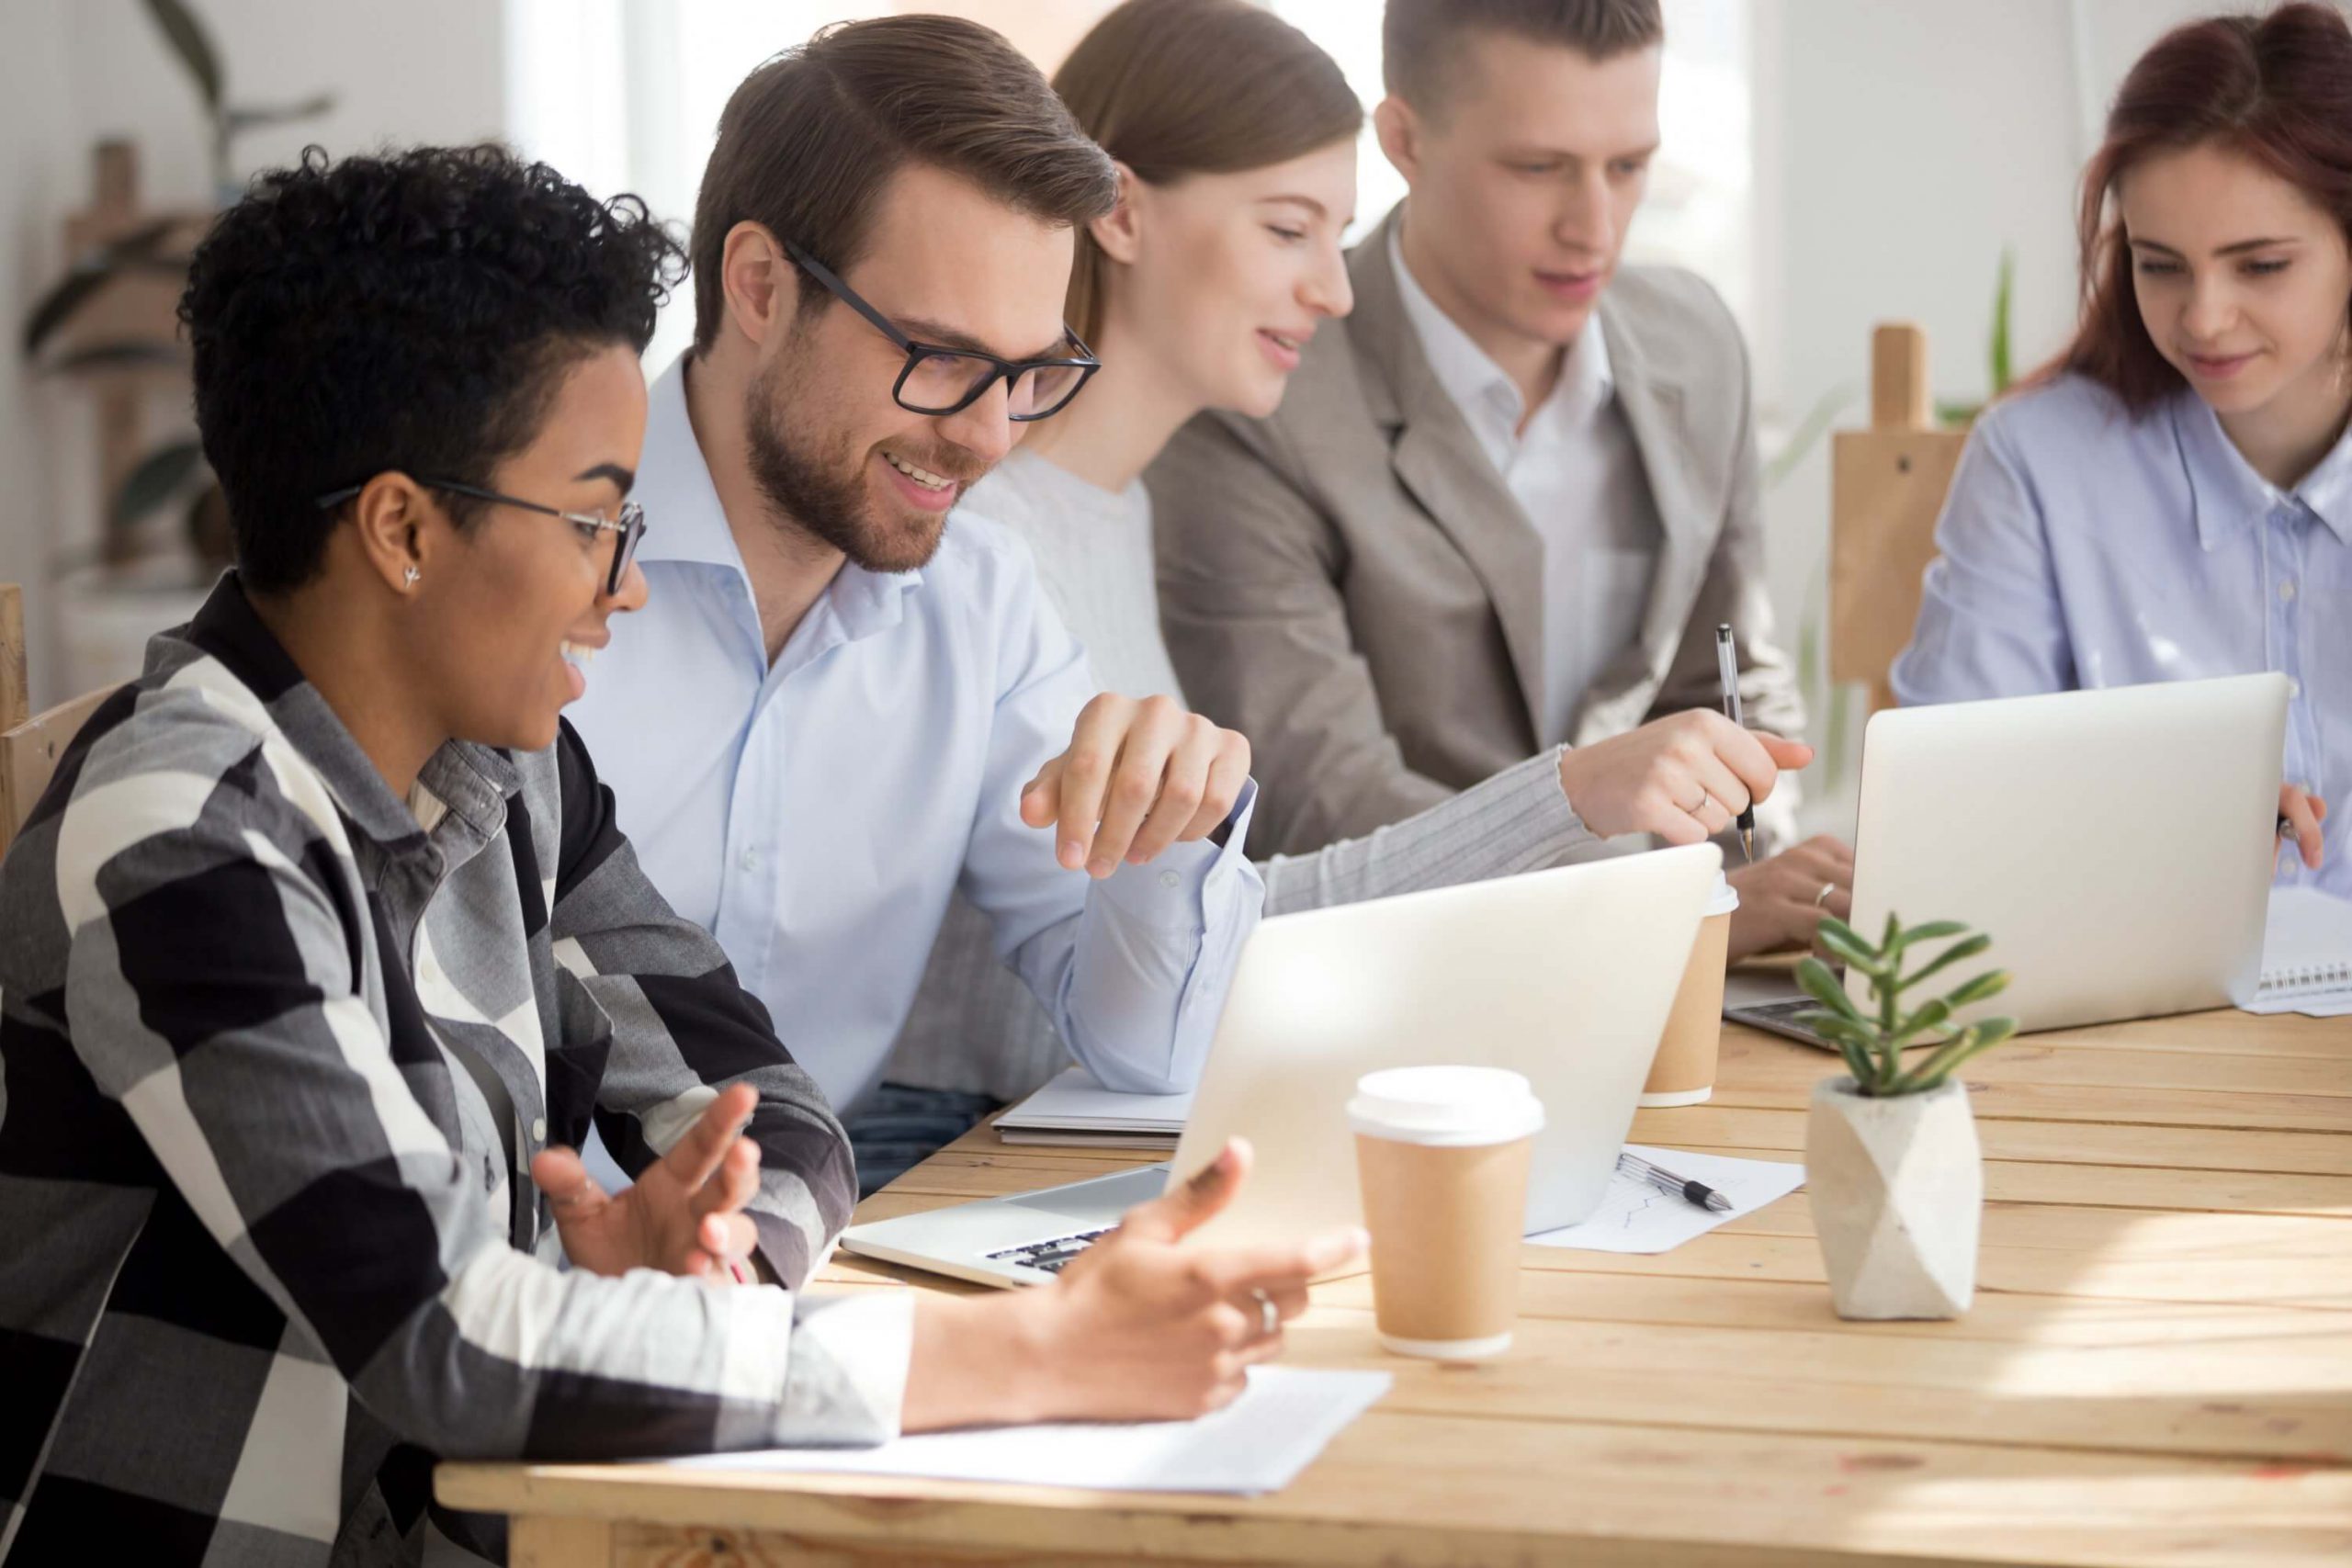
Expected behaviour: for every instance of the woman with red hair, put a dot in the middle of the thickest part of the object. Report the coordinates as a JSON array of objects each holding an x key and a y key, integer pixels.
[{"x": 2171, "y": 499}]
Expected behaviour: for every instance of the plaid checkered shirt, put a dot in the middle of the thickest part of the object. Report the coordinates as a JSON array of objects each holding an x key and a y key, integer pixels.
[{"x": 278, "y": 1047}]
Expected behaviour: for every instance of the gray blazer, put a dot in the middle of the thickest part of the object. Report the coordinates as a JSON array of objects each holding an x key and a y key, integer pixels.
[{"x": 1351, "y": 584}]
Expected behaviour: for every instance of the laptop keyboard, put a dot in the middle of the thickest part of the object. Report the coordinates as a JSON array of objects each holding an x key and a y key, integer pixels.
[
  {"x": 1053, "y": 1256},
  {"x": 1781, "y": 1016}
]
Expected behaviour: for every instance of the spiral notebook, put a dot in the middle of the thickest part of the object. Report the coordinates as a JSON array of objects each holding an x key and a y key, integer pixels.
[
  {"x": 2306, "y": 956},
  {"x": 1075, "y": 1112}
]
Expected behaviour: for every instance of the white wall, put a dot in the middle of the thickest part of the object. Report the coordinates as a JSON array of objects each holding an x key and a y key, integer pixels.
[
  {"x": 39, "y": 180},
  {"x": 1902, "y": 144},
  {"x": 76, "y": 71}
]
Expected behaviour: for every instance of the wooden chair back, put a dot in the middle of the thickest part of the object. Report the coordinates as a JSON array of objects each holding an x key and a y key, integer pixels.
[
  {"x": 1887, "y": 485},
  {"x": 16, "y": 695},
  {"x": 29, "y": 743}
]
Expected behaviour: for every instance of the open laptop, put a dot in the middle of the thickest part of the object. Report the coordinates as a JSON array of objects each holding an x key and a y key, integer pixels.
[
  {"x": 1565, "y": 975},
  {"x": 2114, "y": 844}
]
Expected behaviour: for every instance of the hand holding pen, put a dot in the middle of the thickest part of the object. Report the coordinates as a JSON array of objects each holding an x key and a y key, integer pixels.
[{"x": 1682, "y": 777}]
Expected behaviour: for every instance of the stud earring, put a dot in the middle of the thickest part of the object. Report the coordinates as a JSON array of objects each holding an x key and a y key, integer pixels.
[{"x": 410, "y": 578}]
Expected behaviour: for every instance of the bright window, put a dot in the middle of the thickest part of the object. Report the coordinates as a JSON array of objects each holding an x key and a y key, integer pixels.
[{"x": 625, "y": 95}]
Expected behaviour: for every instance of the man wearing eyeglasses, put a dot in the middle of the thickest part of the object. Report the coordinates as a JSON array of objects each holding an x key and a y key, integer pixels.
[{"x": 836, "y": 709}]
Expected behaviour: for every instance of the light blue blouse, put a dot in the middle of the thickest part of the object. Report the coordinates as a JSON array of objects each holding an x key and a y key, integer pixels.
[{"x": 2083, "y": 547}]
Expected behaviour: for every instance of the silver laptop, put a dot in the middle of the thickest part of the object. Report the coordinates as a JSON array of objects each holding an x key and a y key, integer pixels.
[
  {"x": 2114, "y": 844},
  {"x": 1566, "y": 975}
]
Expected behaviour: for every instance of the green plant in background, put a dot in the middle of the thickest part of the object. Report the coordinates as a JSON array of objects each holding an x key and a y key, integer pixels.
[
  {"x": 175, "y": 471},
  {"x": 1822, "y": 697},
  {"x": 1997, "y": 354},
  {"x": 191, "y": 41},
  {"x": 1871, "y": 1043},
  {"x": 147, "y": 248}
]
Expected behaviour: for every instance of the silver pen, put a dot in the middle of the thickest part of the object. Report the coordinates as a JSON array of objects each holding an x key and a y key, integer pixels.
[
  {"x": 1727, "y": 670},
  {"x": 1658, "y": 1176}
]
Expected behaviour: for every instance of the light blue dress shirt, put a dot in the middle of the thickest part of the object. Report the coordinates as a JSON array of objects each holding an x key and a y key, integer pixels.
[
  {"x": 2081, "y": 547},
  {"x": 814, "y": 815}
]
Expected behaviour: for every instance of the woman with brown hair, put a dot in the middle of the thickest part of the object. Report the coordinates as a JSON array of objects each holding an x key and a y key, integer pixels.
[
  {"x": 1236, "y": 141},
  {"x": 2171, "y": 497}
]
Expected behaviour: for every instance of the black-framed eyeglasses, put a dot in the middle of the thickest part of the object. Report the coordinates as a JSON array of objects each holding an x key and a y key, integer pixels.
[
  {"x": 939, "y": 379},
  {"x": 630, "y": 525}
]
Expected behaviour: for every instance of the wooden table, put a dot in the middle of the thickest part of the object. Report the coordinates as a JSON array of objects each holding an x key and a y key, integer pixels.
[{"x": 2158, "y": 1367}]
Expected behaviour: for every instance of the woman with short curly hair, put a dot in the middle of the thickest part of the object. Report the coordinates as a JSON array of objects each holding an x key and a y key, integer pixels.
[{"x": 322, "y": 950}]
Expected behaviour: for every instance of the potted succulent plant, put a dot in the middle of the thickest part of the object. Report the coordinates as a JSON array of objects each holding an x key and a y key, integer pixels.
[{"x": 1891, "y": 1152}]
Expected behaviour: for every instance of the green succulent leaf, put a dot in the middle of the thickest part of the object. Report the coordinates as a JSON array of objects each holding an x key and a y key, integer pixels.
[
  {"x": 1850, "y": 950},
  {"x": 1976, "y": 1038},
  {"x": 1930, "y": 1017},
  {"x": 1837, "y": 927},
  {"x": 1844, "y": 1031},
  {"x": 1816, "y": 980},
  {"x": 1957, "y": 953},
  {"x": 1991, "y": 1031},
  {"x": 1932, "y": 1071},
  {"x": 1933, "y": 930},
  {"x": 1992, "y": 983}
]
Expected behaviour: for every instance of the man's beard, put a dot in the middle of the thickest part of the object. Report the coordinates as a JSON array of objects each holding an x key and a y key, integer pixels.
[{"x": 825, "y": 494}]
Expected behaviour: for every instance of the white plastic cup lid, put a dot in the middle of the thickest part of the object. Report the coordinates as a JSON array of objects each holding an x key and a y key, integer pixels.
[
  {"x": 1724, "y": 901},
  {"x": 1445, "y": 1105}
]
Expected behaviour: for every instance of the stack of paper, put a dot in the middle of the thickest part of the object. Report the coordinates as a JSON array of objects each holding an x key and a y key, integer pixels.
[
  {"x": 1074, "y": 1109},
  {"x": 1259, "y": 1443}
]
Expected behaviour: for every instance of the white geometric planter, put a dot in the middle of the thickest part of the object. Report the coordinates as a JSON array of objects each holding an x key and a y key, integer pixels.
[{"x": 1898, "y": 1191}]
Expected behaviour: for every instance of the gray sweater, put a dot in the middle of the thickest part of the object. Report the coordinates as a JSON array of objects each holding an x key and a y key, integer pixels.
[{"x": 973, "y": 1026}]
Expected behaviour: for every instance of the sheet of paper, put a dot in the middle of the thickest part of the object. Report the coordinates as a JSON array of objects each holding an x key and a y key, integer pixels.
[
  {"x": 1259, "y": 1443},
  {"x": 1634, "y": 1216},
  {"x": 2317, "y": 1004},
  {"x": 1073, "y": 1101}
]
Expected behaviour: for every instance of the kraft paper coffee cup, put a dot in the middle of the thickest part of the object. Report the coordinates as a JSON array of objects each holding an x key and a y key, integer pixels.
[
  {"x": 1442, "y": 1154},
  {"x": 1683, "y": 1072}
]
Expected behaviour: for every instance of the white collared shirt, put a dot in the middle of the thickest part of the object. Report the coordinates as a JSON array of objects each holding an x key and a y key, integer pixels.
[
  {"x": 1575, "y": 473},
  {"x": 815, "y": 816}
]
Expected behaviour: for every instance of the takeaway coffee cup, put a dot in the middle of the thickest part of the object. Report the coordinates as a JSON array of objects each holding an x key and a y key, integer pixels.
[
  {"x": 1442, "y": 1154},
  {"x": 1683, "y": 1072}
]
